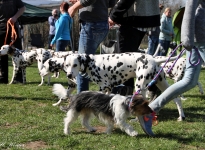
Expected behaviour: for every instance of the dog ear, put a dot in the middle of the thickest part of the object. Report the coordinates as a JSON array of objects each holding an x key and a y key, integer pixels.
[
  {"x": 11, "y": 50},
  {"x": 81, "y": 62}
]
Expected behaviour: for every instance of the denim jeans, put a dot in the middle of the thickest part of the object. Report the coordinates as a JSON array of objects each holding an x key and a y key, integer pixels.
[
  {"x": 50, "y": 37},
  {"x": 91, "y": 35},
  {"x": 165, "y": 45},
  {"x": 61, "y": 45},
  {"x": 189, "y": 81},
  {"x": 153, "y": 42}
]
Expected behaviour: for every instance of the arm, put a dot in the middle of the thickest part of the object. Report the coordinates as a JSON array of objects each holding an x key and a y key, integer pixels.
[
  {"x": 18, "y": 14},
  {"x": 51, "y": 21},
  {"x": 78, "y": 5},
  {"x": 59, "y": 30},
  {"x": 120, "y": 9},
  {"x": 111, "y": 3},
  {"x": 188, "y": 24}
]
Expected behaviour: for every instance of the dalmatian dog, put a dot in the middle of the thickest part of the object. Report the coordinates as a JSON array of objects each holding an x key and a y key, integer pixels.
[
  {"x": 177, "y": 72},
  {"x": 109, "y": 70},
  {"x": 44, "y": 54},
  {"x": 20, "y": 59},
  {"x": 50, "y": 66},
  {"x": 61, "y": 54}
]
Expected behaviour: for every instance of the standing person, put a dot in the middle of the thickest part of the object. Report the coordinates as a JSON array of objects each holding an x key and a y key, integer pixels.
[
  {"x": 193, "y": 34},
  {"x": 16, "y": 9},
  {"x": 136, "y": 17},
  {"x": 63, "y": 27},
  {"x": 51, "y": 21},
  {"x": 94, "y": 28},
  {"x": 167, "y": 32},
  {"x": 153, "y": 38}
]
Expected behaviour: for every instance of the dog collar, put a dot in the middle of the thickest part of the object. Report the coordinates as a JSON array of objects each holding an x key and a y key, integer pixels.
[{"x": 130, "y": 102}]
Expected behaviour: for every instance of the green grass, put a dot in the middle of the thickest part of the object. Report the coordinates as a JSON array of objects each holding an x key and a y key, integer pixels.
[{"x": 29, "y": 121}]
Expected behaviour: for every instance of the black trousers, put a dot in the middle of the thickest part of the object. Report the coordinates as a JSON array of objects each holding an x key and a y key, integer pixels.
[
  {"x": 4, "y": 59},
  {"x": 129, "y": 40},
  {"x": 50, "y": 37}
]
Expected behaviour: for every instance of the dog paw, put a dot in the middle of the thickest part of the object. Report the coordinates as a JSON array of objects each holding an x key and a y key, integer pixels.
[
  {"x": 66, "y": 132},
  {"x": 92, "y": 130},
  {"x": 134, "y": 133},
  {"x": 134, "y": 120},
  {"x": 181, "y": 119}
]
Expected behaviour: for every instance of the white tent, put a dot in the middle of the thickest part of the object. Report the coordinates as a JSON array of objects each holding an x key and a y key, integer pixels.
[{"x": 44, "y": 3}]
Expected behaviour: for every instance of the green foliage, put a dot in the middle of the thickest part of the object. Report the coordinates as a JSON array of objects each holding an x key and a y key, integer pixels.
[{"x": 29, "y": 121}]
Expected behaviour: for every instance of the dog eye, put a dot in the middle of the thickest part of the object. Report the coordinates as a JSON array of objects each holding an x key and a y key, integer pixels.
[{"x": 75, "y": 65}]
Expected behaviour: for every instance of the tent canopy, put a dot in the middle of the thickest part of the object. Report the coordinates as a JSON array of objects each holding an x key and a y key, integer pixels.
[{"x": 34, "y": 14}]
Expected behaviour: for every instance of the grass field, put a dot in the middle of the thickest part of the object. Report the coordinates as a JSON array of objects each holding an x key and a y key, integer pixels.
[{"x": 29, "y": 121}]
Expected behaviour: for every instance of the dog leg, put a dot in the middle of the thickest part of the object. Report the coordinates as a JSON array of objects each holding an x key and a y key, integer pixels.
[
  {"x": 72, "y": 115},
  {"x": 126, "y": 127},
  {"x": 200, "y": 87},
  {"x": 49, "y": 79},
  {"x": 120, "y": 119},
  {"x": 42, "y": 81},
  {"x": 24, "y": 75},
  {"x": 180, "y": 109},
  {"x": 85, "y": 122},
  {"x": 15, "y": 70},
  {"x": 163, "y": 85},
  {"x": 110, "y": 126}
]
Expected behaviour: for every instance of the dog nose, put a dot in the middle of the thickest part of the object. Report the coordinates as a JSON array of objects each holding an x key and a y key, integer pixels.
[{"x": 69, "y": 76}]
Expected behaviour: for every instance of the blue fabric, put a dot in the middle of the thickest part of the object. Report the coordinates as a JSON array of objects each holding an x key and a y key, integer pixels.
[
  {"x": 91, "y": 35},
  {"x": 153, "y": 42},
  {"x": 189, "y": 81},
  {"x": 63, "y": 26},
  {"x": 165, "y": 45},
  {"x": 61, "y": 45},
  {"x": 166, "y": 28}
]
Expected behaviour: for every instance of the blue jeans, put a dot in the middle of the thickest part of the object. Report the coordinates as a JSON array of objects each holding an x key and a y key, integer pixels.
[
  {"x": 153, "y": 42},
  {"x": 91, "y": 35},
  {"x": 189, "y": 81},
  {"x": 61, "y": 45},
  {"x": 165, "y": 45}
]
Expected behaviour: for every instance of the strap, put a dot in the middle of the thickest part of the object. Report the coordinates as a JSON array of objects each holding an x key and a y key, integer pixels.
[{"x": 13, "y": 32}]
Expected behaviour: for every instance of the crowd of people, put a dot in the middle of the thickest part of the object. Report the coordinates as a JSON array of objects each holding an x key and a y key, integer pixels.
[{"x": 135, "y": 20}]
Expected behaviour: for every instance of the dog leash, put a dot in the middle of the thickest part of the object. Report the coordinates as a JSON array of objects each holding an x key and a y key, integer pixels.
[
  {"x": 198, "y": 58},
  {"x": 13, "y": 33},
  {"x": 181, "y": 53}
]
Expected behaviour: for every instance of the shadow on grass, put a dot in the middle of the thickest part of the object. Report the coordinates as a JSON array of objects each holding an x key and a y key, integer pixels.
[
  {"x": 172, "y": 114},
  {"x": 5, "y": 98}
]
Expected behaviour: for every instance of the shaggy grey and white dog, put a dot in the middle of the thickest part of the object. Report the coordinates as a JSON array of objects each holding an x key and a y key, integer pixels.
[{"x": 109, "y": 109}]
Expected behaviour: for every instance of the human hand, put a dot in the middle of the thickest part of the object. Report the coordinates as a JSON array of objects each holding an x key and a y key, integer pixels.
[
  {"x": 111, "y": 23},
  {"x": 72, "y": 11},
  {"x": 73, "y": 1},
  {"x": 13, "y": 20}
]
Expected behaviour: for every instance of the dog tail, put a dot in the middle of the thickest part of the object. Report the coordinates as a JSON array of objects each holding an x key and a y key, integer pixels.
[
  {"x": 59, "y": 91},
  {"x": 162, "y": 59}
]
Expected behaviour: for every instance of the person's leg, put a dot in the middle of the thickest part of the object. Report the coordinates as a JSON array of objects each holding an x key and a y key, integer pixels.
[
  {"x": 19, "y": 75},
  {"x": 165, "y": 45},
  {"x": 50, "y": 37},
  {"x": 151, "y": 45},
  {"x": 91, "y": 35},
  {"x": 3, "y": 59},
  {"x": 156, "y": 44},
  {"x": 130, "y": 39},
  {"x": 61, "y": 45},
  {"x": 189, "y": 81}
]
